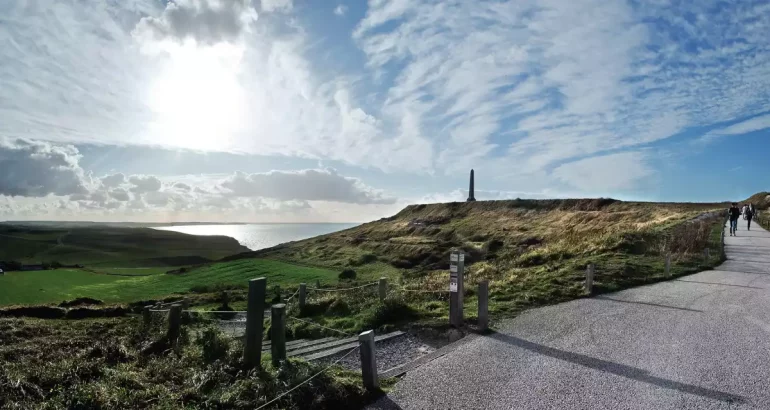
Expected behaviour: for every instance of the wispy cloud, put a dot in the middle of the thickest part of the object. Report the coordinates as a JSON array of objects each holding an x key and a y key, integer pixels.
[
  {"x": 537, "y": 91},
  {"x": 341, "y": 9}
]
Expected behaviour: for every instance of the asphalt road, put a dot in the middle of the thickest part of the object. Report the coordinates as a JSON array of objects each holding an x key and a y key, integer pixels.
[{"x": 698, "y": 342}]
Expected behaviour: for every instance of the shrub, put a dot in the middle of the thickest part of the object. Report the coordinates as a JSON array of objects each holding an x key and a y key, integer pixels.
[
  {"x": 389, "y": 312},
  {"x": 338, "y": 308},
  {"x": 214, "y": 344},
  {"x": 347, "y": 274}
]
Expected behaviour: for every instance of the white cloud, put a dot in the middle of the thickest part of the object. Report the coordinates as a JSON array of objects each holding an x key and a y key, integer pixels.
[
  {"x": 758, "y": 123},
  {"x": 305, "y": 185},
  {"x": 608, "y": 173},
  {"x": 36, "y": 168},
  {"x": 277, "y": 5},
  {"x": 207, "y": 22},
  {"x": 341, "y": 9},
  {"x": 113, "y": 180},
  {"x": 144, "y": 183}
]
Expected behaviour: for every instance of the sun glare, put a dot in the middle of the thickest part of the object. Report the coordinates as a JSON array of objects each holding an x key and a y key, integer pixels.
[{"x": 197, "y": 98}]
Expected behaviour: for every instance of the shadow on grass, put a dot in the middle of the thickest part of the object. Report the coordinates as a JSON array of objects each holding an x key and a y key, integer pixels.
[{"x": 618, "y": 369}]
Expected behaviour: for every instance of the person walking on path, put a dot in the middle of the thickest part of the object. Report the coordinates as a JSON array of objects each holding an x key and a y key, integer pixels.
[
  {"x": 734, "y": 213},
  {"x": 749, "y": 214}
]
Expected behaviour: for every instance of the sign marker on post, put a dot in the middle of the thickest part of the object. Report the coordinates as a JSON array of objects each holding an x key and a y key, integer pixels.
[{"x": 456, "y": 289}]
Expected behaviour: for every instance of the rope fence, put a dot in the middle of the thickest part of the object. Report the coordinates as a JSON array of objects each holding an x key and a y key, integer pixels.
[
  {"x": 343, "y": 289},
  {"x": 321, "y": 326},
  {"x": 282, "y": 395}
]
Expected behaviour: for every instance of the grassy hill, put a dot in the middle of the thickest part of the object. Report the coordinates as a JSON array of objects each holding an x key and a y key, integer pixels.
[
  {"x": 110, "y": 246},
  {"x": 760, "y": 200},
  {"x": 533, "y": 252}
]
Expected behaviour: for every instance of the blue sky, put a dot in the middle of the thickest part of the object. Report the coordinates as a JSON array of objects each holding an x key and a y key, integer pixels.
[{"x": 281, "y": 110}]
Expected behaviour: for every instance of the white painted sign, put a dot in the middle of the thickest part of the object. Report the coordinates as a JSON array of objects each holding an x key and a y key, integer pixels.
[
  {"x": 453, "y": 268},
  {"x": 453, "y": 257},
  {"x": 462, "y": 257},
  {"x": 453, "y": 285}
]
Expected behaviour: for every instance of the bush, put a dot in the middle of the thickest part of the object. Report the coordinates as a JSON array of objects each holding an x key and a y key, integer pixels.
[
  {"x": 338, "y": 308},
  {"x": 389, "y": 312},
  {"x": 347, "y": 274},
  {"x": 214, "y": 344}
]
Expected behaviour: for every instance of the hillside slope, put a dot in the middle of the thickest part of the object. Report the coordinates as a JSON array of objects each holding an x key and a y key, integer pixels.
[
  {"x": 508, "y": 233},
  {"x": 760, "y": 200},
  {"x": 110, "y": 246}
]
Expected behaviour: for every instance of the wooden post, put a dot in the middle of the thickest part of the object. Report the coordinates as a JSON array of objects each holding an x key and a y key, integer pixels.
[
  {"x": 707, "y": 254},
  {"x": 225, "y": 298},
  {"x": 590, "y": 271},
  {"x": 368, "y": 360},
  {"x": 278, "y": 333},
  {"x": 668, "y": 264},
  {"x": 174, "y": 323},
  {"x": 302, "y": 295},
  {"x": 456, "y": 289},
  {"x": 317, "y": 284},
  {"x": 722, "y": 244},
  {"x": 483, "y": 305},
  {"x": 255, "y": 321},
  {"x": 383, "y": 288},
  {"x": 146, "y": 316}
]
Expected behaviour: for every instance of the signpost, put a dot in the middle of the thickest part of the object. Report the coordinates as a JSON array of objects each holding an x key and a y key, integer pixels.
[{"x": 456, "y": 289}]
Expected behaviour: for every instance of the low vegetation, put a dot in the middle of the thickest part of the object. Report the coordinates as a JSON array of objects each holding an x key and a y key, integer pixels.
[{"x": 113, "y": 364}]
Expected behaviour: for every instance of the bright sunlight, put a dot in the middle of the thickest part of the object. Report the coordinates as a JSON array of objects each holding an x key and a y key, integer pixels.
[{"x": 197, "y": 98}]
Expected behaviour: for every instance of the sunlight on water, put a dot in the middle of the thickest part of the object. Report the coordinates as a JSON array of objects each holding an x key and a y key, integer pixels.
[{"x": 260, "y": 236}]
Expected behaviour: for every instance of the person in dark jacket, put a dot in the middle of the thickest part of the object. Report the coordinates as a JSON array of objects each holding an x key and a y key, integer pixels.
[
  {"x": 749, "y": 214},
  {"x": 734, "y": 213}
]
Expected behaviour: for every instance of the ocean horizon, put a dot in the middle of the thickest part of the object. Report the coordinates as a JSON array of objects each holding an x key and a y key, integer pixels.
[{"x": 261, "y": 235}]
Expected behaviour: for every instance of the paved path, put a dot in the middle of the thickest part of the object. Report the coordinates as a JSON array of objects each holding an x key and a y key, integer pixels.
[{"x": 699, "y": 342}]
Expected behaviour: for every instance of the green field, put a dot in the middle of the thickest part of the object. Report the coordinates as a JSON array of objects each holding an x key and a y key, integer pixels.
[
  {"x": 55, "y": 286},
  {"x": 110, "y": 246}
]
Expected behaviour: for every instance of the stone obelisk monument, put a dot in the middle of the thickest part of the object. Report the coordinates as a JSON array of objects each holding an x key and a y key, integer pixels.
[{"x": 471, "y": 197}]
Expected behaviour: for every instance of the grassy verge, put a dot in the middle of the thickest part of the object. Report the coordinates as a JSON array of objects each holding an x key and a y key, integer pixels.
[{"x": 111, "y": 364}]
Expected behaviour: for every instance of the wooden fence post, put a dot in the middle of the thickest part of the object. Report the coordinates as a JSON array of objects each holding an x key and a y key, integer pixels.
[
  {"x": 174, "y": 324},
  {"x": 707, "y": 254},
  {"x": 668, "y": 264},
  {"x": 278, "y": 333},
  {"x": 146, "y": 316},
  {"x": 383, "y": 288},
  {"x": 318, "y": 284},
  {"x": 255, "y": 321},
  {"x": 302, "y": 295},
  {"x": 722, "y": 244},
  {"x": 368, "y": 360},
  {"x": 589, "y": 284},
  {"x": 483, "y": 305}
]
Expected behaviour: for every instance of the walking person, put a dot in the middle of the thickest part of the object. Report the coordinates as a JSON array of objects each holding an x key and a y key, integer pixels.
[
  {"x": 749, "y": 214},
  {"x": 734, "y": 213}
]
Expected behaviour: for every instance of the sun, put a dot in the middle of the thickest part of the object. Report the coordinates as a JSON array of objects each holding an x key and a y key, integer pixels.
[{"x": 196, "y": 97}]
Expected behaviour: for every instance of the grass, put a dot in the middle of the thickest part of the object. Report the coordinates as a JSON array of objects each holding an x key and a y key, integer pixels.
[
  {"x": 109, "y": 246},
  {"x": 112, "y": 364},
  {"x": 54, "y": 286},
  {"x": 533, "y": 253}
]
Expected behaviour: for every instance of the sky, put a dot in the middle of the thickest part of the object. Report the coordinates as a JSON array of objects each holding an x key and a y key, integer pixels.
[{"x": 347, "y": 111}]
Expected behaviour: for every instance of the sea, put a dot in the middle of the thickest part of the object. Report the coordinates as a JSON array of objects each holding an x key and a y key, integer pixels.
[{"x": 260, "y": 236}]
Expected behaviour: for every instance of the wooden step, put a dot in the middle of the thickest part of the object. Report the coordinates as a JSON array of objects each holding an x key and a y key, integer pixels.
[{"x": 341, "y": 347}]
